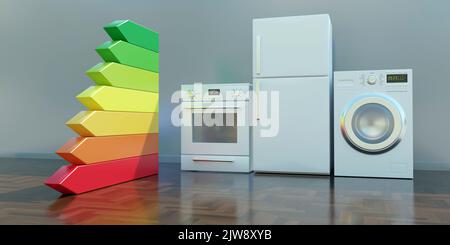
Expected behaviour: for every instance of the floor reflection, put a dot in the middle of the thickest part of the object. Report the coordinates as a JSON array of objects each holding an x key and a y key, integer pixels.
[
  {"x": 279, "y": 199},
  {"x": 373, "y": 201},
  {"x": 175, "y": 197},
  {"x": 208, "y": 197},
  {"x": 133, "y": 202}
]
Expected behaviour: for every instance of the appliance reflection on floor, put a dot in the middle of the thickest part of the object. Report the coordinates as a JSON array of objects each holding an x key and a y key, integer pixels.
[
  {"x": 226, "y": 196},
  {"x": 291, "y": 200},
  {"x": 133, "y": 202},
  {"x": 374, "y": 201}
]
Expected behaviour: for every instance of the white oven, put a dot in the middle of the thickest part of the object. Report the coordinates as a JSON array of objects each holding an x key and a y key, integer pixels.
[{"x": 215, "y": 132}]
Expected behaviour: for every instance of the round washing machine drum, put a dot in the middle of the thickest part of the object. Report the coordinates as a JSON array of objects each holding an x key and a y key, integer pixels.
[{"x": 373, "y": 123}]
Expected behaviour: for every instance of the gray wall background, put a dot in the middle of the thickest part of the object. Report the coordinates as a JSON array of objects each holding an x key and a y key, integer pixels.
[{"x": 47, "y": 45}]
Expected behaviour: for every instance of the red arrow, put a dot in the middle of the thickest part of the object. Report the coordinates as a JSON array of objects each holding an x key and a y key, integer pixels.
[{"x": 73, "y": 179}]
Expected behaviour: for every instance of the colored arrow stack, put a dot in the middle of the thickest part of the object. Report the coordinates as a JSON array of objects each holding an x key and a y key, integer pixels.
[{"x": 119, "y": 132}]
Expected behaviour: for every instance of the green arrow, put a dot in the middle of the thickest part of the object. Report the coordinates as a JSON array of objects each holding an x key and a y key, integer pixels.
[
  {"x": 129, "y": 54},
  {"x": 122, "y": 76},
  {"x": 133, "y": 33}
]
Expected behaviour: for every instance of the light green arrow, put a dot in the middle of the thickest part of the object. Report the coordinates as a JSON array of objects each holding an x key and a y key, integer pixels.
[
  {"x": 122, "y": 76},
  {"x": 129, "y": 54}
]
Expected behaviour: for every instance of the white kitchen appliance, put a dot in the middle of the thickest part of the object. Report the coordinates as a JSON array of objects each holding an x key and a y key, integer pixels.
[
  {"x": 215, "y": 131},
  {"x": 292, "y": 56},
  {"x": 373, "y": 123}
]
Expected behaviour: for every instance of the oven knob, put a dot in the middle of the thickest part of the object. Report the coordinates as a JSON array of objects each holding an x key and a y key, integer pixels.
[{"x": 372, "y": 79}]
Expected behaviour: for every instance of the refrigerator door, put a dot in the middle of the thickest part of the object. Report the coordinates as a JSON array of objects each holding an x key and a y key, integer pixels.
[
  {"x": 302, "y": 144},
  {"x": 292, "y": 46}
]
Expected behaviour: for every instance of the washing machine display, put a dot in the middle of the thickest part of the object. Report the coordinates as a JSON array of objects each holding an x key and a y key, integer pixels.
[
  {"x": 373, "y": 123},
  {"x": 373, "y": 128},
  {"x": 397, "y": 78}
]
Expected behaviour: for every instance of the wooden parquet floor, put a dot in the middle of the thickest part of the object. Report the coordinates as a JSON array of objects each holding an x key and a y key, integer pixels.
[{"x": 176, "y": 197}]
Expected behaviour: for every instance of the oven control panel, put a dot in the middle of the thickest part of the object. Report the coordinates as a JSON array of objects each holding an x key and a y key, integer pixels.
[{"x": 215, "y": 92}]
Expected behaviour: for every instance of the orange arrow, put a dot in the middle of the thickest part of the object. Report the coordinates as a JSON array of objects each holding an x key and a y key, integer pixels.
[{"x": 88, "y": 150}]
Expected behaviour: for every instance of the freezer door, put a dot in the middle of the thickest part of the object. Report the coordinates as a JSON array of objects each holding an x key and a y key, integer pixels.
[
  {"x": 302, "y": 144},
  {"x": 292, "y": 46}
]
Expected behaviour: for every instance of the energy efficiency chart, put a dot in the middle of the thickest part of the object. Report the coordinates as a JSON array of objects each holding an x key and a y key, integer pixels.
[{"x": 119, "y": 131}]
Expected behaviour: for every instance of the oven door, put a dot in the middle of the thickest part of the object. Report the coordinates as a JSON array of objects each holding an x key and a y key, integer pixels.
[{"x": 215, "y": 128}]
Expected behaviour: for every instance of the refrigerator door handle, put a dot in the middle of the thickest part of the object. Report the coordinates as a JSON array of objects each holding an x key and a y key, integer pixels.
[
  {"x": 257, "y": 99},
  {"x": 258, "y": 55}
]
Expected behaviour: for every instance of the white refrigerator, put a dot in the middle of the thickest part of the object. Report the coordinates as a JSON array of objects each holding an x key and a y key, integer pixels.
[{"x": 292, "y": 57}]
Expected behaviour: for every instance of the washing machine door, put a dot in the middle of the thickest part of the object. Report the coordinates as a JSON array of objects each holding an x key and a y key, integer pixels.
[{"x": 373, "y": 123}]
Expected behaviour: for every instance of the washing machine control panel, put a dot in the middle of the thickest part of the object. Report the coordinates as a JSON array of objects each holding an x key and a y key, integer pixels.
[{"x": 384, "y": 79}]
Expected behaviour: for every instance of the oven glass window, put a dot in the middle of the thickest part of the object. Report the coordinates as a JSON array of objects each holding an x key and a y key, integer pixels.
[{"x": 221, "y": 133}]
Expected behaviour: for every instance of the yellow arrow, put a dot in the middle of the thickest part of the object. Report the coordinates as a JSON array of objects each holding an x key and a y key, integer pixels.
[
  {"x": 106, "y": 98},
  {"x": 108, "y": 123}
]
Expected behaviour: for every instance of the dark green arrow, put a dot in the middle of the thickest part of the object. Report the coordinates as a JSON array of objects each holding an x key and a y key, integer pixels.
[{"x": 130, "y": 32}]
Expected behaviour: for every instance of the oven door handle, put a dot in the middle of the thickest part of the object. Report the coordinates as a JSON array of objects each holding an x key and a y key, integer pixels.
[
  {"x": 211, "y": 160},
  {"x": 211, "y": 108}
]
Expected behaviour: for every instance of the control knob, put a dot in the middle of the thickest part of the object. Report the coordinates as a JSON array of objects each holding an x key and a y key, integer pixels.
[{"x": 372, "y": 80}]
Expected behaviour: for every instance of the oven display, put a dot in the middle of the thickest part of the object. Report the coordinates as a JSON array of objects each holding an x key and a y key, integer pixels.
[
  {"x": 397, "y": 78},
  {"x": 213, "y": 91}
]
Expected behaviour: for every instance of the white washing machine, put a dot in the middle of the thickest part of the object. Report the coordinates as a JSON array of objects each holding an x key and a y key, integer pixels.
[{"x": 373, "y": 124}]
